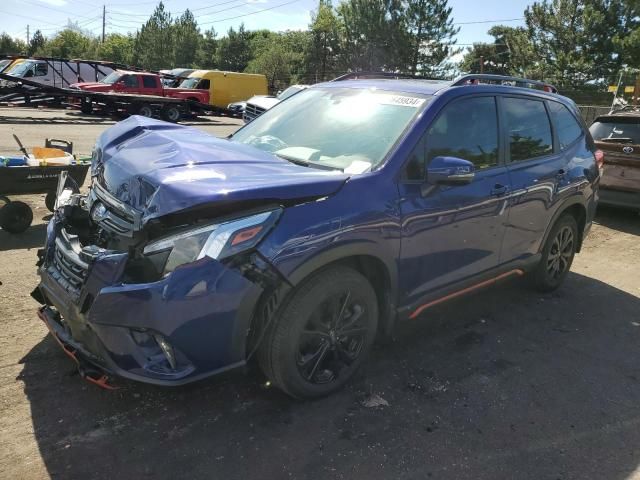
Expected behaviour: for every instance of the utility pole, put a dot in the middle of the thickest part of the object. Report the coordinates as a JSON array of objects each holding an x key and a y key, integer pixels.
[
  {"x": 104, "y": 17},
  {"x": 28, "y": 38},
  {"x": 481, "y": 64}
]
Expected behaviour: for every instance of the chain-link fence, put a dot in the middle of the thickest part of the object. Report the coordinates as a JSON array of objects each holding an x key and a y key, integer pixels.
[{"x": 590, "y": 112}]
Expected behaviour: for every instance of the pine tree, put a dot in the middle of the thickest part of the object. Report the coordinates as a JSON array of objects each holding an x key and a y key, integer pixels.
[
  {"x": 187, "y": 38},
  {"x": 154, "y": 45}
]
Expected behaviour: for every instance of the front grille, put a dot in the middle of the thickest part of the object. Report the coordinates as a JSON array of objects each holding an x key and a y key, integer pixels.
[
  {"x": 69, "y": 270},
  {"x": 252, "y": 111}
]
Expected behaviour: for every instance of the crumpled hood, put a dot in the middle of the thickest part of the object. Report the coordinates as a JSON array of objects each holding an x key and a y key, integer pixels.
[{"x": 160, "y": 168}]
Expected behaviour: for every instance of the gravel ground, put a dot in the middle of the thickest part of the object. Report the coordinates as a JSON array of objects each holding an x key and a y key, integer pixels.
[{"x": 503, "y": 384}]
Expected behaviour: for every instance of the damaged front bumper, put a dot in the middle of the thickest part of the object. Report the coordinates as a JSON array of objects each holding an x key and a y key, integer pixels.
[{"x": 193, "y": 323}]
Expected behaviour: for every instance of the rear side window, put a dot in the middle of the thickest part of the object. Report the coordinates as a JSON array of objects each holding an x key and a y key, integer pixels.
[
  {"x": 616, "y": 130},
  {"x": 149, "y": 81},
  {"x": 130, "y": 81},
  {"x": 529, "y": 129},
  {"x": 468, "y": 129},
  {"x": 567, "y": 127}
]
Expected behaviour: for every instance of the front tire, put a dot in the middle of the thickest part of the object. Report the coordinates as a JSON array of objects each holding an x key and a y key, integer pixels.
[
  {"x": 322, "y": 335},
  {"x": 557, "y": 255}
]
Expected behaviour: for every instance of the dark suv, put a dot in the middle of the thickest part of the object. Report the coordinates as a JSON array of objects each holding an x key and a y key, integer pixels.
[{"x": 349, "y": 206}]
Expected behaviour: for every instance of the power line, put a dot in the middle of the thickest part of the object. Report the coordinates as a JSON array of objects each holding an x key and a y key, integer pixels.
[
  {"x": 252, "y": 13},
  {"x": 115, "y": 12},
  {"x": 490, "y": 21}
]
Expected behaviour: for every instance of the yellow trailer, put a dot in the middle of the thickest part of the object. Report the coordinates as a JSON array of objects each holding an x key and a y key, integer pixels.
[{"x": 226, "y": 87}]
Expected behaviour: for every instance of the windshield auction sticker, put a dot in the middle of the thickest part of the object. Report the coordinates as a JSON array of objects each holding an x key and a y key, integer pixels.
[{"x": 398, "y": 100}]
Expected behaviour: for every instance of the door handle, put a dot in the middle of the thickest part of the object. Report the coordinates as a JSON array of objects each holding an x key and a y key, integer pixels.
[{"x": 498, "y": 190}]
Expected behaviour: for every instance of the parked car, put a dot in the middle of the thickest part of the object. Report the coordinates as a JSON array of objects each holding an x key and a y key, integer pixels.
[
  {"x": 236, "y": 109},
  {"x": 617, "y": 135},
  {"x": 351, "y": 206},
  {"x": 259, "y": 104},
  {"x": 139, "y": 83},
  {"x": 226, "y": 87}
]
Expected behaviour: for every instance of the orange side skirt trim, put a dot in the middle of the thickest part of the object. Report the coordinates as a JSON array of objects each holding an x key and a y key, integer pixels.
[{"x": 437, "y": 301}]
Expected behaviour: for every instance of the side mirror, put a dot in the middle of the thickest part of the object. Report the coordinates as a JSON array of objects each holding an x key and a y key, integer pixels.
[{"x": 450, "y": 171}]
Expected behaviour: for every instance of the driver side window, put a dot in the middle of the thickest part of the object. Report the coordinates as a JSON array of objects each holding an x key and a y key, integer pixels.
[{"x": 467, "y": 129}]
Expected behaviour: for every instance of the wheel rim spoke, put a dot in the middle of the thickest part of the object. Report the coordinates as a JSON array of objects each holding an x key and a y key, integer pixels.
[{"x": 332, "y": 340}]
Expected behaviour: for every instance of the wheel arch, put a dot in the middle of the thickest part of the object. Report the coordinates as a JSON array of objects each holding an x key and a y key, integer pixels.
[
  {"x": 578, "y": 210},
  {"x": 381, "y": 275}
]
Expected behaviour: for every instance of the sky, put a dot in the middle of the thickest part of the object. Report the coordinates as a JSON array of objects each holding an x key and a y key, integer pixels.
[{"x": 123, "y": 16}]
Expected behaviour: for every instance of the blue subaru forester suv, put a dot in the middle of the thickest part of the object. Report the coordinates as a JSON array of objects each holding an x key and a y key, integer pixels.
[{"x": 313, "y": 229}]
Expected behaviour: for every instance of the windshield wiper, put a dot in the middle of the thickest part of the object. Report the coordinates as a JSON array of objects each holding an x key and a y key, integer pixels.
[{"x": 306, "y": 163}]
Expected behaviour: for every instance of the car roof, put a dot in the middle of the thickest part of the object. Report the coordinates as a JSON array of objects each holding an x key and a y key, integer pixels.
[
  {"x": 425, "y": 87},
  {"x": 432, "y": 87}
]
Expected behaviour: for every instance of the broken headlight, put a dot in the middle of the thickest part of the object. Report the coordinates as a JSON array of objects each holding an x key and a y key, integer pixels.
[{"x": 217, "y": 241}]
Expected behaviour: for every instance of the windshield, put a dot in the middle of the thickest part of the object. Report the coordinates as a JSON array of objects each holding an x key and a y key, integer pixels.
[
  {"x": 289, "y": 91},
  {"x": 622, "y": 130},
  {"x": 189, "y": 82},
  {"x": 4, "y": 64},
  {"x": 20, "y": 69},
  {"x": 112, "y": 78},
  {"x": 337, "y": 128}
]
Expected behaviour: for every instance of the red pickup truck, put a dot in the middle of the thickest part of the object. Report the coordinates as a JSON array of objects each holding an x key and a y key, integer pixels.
[{"x": 136, "y": 83}]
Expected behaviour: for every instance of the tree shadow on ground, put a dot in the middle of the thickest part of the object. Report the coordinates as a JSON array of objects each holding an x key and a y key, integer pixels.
[{"x": 505, "y": 383}]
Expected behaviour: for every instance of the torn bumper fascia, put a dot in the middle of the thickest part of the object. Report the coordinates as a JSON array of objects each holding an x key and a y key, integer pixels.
[{"x": 203, "y": 310}]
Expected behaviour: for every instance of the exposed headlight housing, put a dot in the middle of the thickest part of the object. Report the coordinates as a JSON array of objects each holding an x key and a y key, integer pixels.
[{"x": 216, "y": 241}]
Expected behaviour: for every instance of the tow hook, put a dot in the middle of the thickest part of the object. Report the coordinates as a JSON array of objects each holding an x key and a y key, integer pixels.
[{"x": 97, "y": 378}]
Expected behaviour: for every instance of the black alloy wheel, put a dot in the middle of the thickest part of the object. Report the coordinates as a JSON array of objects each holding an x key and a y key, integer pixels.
[
  {"x": 332, "y": 339},
  {"x": 557, "y": 255},
  {"x": 322, "y": 334}
]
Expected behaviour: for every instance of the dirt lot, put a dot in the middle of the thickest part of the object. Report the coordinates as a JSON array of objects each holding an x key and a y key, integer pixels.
[{"x": 503, "y": 384}]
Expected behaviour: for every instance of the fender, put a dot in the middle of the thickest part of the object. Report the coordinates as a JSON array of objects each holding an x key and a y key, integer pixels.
[{"x": 577, "y": 198}]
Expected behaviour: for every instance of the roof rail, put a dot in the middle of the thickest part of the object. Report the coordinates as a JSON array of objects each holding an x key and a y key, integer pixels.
[
  {"x": 374, "y": 75},
  {"x": 473, "y": 78}
]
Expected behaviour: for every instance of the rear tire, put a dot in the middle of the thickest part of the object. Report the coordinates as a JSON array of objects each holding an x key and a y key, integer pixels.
[
  {"x": 86, "y": 107},
  {"x": 171, "y": 113},
  {"x": 557, "y": 255},
  {"x": 322, "y": 335},
  {"x": 15, "y": 217},
  {"x": 145, "y": 110}
]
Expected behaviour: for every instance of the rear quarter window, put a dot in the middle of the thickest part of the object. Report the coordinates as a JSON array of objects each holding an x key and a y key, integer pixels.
[{"x": 567, "y": 127}]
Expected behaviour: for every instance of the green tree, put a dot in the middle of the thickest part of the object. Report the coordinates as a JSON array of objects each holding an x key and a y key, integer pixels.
[
  {"x": 431, "y": 35},
  {"x": 37, "y": 43},
  {"x": 323, "y": 50},
  {"x": 234, "y": 50},
  {"x": 509, "y": 54},
  {"x": 117, "y": 48},
  {"x": 574, "y": 39},
  {"x": 154, "y": 43},
  {"x": 187, "y": 40},
  {"x": 207, "y": 47},
  {"x": 67, "y": 44},
  {"x": 373, "y": 32},
  {"x": 10, "y": 45}
]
